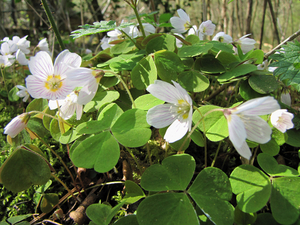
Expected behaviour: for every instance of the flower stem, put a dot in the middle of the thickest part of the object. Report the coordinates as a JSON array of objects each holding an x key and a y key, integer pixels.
[
  {"x": 196, "y": 125},
  {"x": 125, "y": 86},
  {"x": 215, "y": 158},
  {"x": 53, "y": 25},
  {"x": 53, "y": 117},
  {"x": 139, "y": 21},
  {"x": 134, "y": 42},
  {"x": 65, "y": 186},
  {"x": 204, "y": 137},
  {"x": 4, "y": 81},
  {"x": 133, "y": 5},
  {"x": 135, "y": 159},
  {"x": 57, "y": 156}
]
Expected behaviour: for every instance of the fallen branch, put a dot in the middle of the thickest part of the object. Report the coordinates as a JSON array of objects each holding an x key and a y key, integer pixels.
[{"x": 290, "y": 38}]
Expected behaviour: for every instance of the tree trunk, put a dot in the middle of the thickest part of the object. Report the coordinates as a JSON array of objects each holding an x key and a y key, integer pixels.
[
  {"x": 239, "y": 21},
  {"x": 263, "y": 24},
  {"x": 249, "y": 18},
  {"x": 224, "y": 16},
  {"x": 274, "y": 21}
]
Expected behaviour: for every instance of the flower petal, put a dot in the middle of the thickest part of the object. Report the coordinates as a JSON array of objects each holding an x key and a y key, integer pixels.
[
  {"x": 87, "y": 93},
  {"x": 176, "y": 131},
  {"x": 79, "y": 76},
  {"x": 160, "y": 116},
  {"x": 166, "y": 92},
  {"x": 183, "y": 15},
  {"x": 237, "y": 131},
  {"x": 41, "y": 65},
  {"x": 257, "y": 129},
  {"x": 282, "y": 120},
  {"x": 178, "y": 24},
  {"x": 78, "y": 111},
  {"x": 65, "y": 60},
  {"x": 67, "y": 110},
  {"x": 258, "y": 106},
  {"x": 16, "y": 125},
  {"x": 244, "y": 150}
]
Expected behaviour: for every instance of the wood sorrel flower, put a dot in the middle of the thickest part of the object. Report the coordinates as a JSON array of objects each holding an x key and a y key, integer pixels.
[
  {"x": 177, "y": 112},
  {"x": 72, "y": 103},
  {"x": 181, "y": 23},
  {"x": 285, "y": 98},
  {"x": 222, "y": 37},
  {"x": 247, "y": 44},
  {"x": 207, "y": 27},
  {"x": 22, "y": 93},
  {"x": 244, "y": 123},
  {"x": 282, "y": 120},
  {"x": 48, "y": 81},
  {"x": 16, "y": 125}
]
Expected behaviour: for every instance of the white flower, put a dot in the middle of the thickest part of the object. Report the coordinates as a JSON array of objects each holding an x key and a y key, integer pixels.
[
  {"x": 68, "y": 106},
  {"x": 116, "y": 34},
  {"x": 222, "y": 37},
  {"x": 181, "y": 23},
  {"x": 177, "y": 112},
  {"x": 6, "y": 61},
  {"x": 21, "y": 58},
  {"x": 52, "y": 82},
  {"x": 89, "y": 80},
  {"x": 195, "y": 31},
  {"x": 282, "y": 120},
  {"x": 286, "y": 98},
  {"x": 148, "y": 28},
  {"x": 43, "y": 45},
  {"x": 263, "y": 66},
  {"x": 23, "y": 93},
  {"x": 23, "y": 44},
  {"x": 16, "y": 125},
  {"x": 207, "y": 27},
  {"x": 88, "y": 51},
  {"x": 6, "y": 50},
  {"x": 247, "y": 44},
  {"x": 105, "y": 42},
  {"x": 244, "y": 123}
]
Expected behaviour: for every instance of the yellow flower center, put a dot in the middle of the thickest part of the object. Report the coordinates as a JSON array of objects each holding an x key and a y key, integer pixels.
[
  {"x": 53, "y": 83},
  {"x": 187, "y": 25},
  {"x": 183, "y": 108}
]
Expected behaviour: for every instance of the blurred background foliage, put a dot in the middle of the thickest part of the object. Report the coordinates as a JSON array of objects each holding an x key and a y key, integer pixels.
[{"x": 275, "y": 19}]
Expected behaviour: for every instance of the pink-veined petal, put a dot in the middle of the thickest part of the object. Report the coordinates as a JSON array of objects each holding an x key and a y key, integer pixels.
[
  {"x": 78, "y": 111},
  {"x": 176, "y": 131},
  {"x": 282, "y": 120},
  {"x": 165, "y": 91},
  {"x": 67, "y": 110},
  {"x": 36, "y": 88},
  {"x": 183, "y": 15},
  {"x": 258, "y": 106},
  {"x": 65, "y": 60},
  {"x": 183, "y": 93},
  {"x": 80, "y": 76},
  {"x": 41, "y": 65},
  {"x": 178, "y": 24},
  {"x": 16, "y": 125},
  {"x": 160, "y": 116},
  {"x": 257, "y": 129},
  {"x": 87, "y": 93},
  {"x": 237, "y": 131},
  {"x": 244, "y": 150}
]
